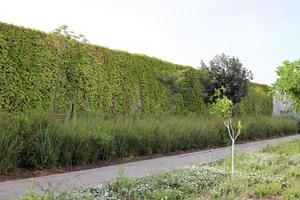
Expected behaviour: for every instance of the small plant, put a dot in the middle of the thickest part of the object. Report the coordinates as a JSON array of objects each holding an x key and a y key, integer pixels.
[
  {"x": 122, "y": 184},
  {"x": 292, "y": 194},
  {"x": 270, "y": 189},
  {"x": 165, "y": 194},
  {"x": 223, "y": 108}
]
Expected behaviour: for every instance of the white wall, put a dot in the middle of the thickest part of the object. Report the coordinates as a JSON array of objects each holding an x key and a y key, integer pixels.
[{"x": 280, "y": 104}]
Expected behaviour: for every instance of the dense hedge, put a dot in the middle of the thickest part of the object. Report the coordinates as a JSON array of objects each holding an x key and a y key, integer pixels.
[
  {"x": 42, "y": 71},
  {"x": 41, "y": 141}
]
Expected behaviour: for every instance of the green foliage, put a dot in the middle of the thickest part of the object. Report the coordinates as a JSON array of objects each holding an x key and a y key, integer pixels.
[
  {"x": 270, "y": 189},
  {"x": 288, "y": 81},
  {"x": 292, "y": 194},
  {"x": 264, "y": 174},
  {"x": 290, "y": 148},
  {"x": 121, "y": 185},
  {"x": 11, "y": 146},
  {"x": 227, "y": 72},
  {"x": 266, "y": 127},
  {"x": 222, "y": 107},
  {"x": 41, "y": 72},
  {"x": 258, "y": 101},
  {"x": 43, "y": 141},
  {"x": 164, "y": 194}
]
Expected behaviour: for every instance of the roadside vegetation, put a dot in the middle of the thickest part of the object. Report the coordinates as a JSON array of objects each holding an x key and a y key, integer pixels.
[
  {"x": 288, "y": 82},
  {"x": 272, "y": 173},
  {"x": 43, "y": 141},
  {"x": 65, "y": 102},
  {"x": 144, "y": 105}
]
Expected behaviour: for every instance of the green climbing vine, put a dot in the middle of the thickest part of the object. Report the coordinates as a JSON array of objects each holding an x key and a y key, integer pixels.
[{"x": 42, "y": 71}]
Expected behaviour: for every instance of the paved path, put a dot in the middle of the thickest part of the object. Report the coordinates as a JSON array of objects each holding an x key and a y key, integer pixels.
[{"x": 93, "y": 177}]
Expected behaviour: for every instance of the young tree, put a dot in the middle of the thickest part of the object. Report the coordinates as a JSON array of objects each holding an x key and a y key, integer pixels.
[
  {"x": 227, "y": 72},
  {"x": 288, "y": 81},
  {"x": 222, "y": 108}
]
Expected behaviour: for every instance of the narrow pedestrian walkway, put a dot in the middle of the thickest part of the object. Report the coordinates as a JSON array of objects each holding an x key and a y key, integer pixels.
[{"x": 93, "y": 177}]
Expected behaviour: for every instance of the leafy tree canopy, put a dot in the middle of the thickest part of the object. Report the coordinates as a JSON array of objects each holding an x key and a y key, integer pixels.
[
  {"x": 227, "y": 72},
  {"x": 222, "y": 108},
  {"x": 288, "y": 81}
]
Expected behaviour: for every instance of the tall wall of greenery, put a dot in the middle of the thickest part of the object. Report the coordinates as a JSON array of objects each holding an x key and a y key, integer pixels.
[
  {"x": 257, "y": 101},
  {"x": 42, "y": 71}
]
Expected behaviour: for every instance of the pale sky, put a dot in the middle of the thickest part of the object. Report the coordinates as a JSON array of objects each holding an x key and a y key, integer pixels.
[{"x": 261, "y": 33}]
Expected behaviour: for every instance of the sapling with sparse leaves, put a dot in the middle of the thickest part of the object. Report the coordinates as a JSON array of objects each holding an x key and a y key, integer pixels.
[{"x": 222, "y": 108}]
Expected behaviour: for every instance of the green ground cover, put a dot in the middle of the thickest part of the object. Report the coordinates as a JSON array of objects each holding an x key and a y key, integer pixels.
[{"x": 272, "y": 173}]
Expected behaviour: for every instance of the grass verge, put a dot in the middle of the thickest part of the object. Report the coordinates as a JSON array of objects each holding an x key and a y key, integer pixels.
[
  {"x": 34, "y": 142},
  {"x": 272, "y": 173}
]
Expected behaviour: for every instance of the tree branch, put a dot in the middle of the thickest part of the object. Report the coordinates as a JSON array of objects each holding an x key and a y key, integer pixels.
[
  {"x": 229, "y": 131},
  {"x": 230, "y": 125}
]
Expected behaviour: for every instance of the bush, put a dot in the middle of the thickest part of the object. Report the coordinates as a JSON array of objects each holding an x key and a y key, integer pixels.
[{"x": 44, "y": 141}]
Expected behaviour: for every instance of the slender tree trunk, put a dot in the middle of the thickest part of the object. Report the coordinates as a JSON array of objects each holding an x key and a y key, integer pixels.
[{"x": 232, "y": 158}]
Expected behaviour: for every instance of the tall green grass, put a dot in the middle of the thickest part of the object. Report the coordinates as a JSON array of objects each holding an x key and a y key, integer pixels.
[{"x": 38, "y": 141}]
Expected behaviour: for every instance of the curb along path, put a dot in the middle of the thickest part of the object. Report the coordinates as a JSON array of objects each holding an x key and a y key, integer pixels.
[{"x": 96, "y": 176}]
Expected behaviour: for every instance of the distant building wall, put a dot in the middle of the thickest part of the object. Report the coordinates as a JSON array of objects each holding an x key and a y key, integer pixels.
[{"x": 281, "y": 104}]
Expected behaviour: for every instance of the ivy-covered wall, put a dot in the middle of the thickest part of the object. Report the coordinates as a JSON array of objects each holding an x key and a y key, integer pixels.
[
  {"x": 257, "y": 101},
  {"x": 42, "y": 71},
  {"x": 45, "y": 71}
]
